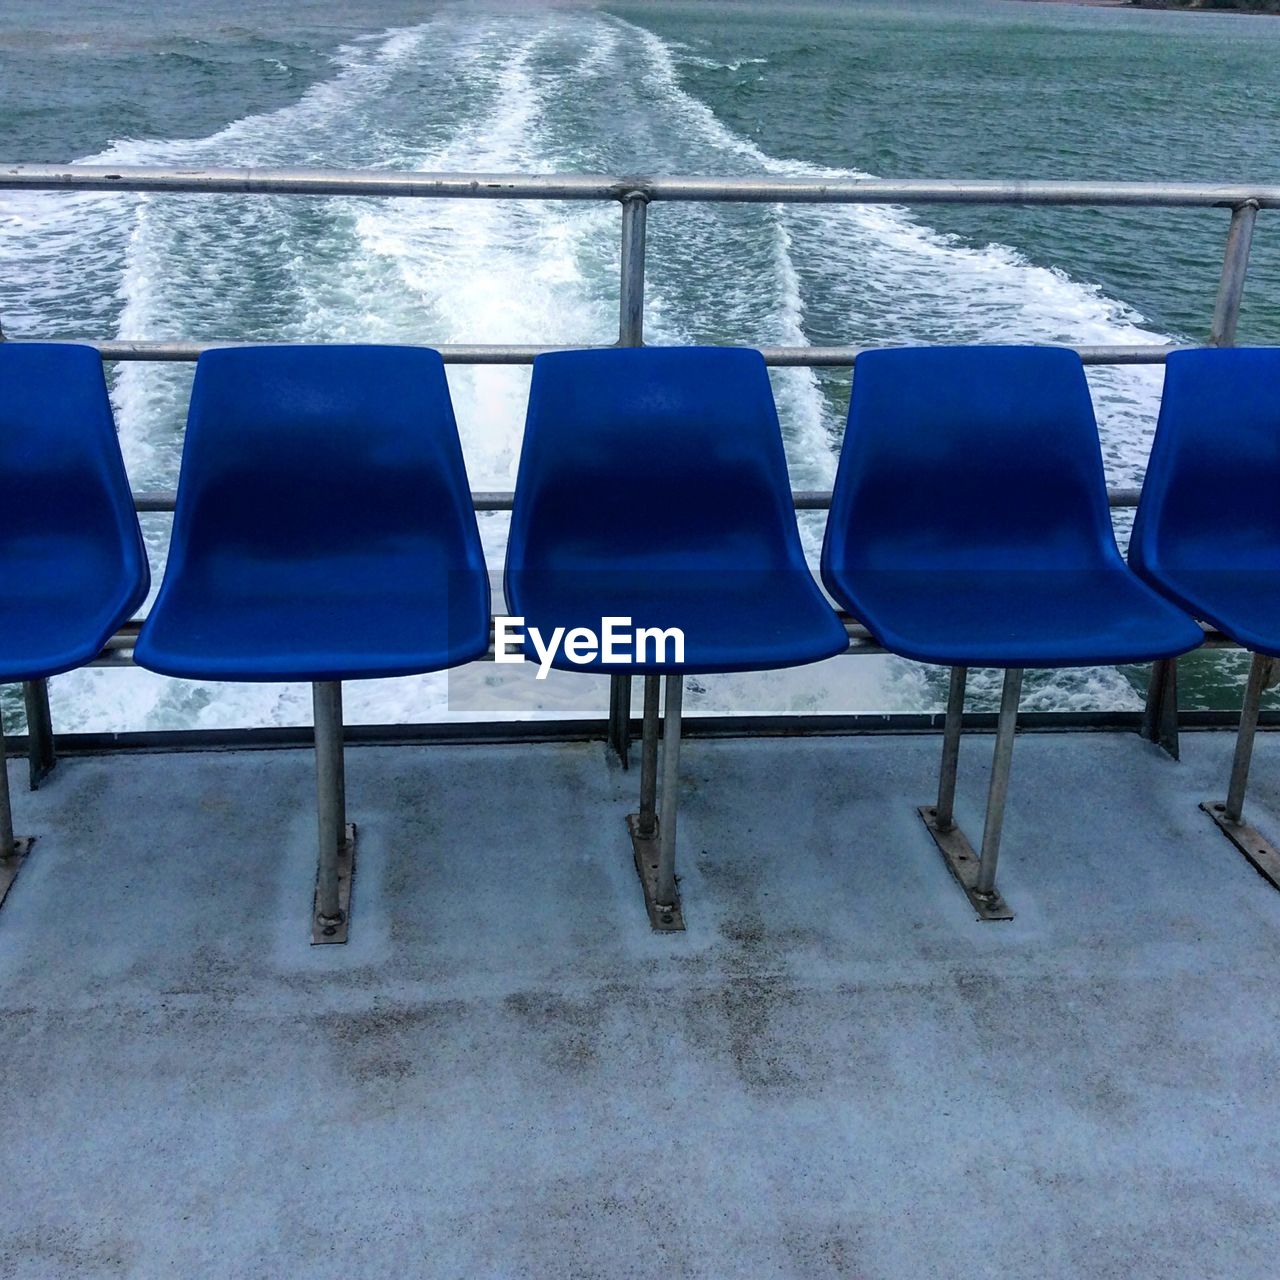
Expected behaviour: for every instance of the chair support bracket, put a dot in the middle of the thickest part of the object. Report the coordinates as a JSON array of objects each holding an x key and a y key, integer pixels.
[
  {"x": 665, "y": 918},
  {"x": 1249, "y": 840},
  {"x": 324, "y": 932},
  {"x": 963, "y": 863},
  {"x": 11, "y": 865}
]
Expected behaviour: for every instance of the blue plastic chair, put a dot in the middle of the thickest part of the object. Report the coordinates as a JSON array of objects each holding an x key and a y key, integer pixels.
[
  {"x": 73, "y": 567},
  {"x": 324, "y": 531},
  {"x": 653, "y": 486},
  {"x": 969, "y": 527},
  {"x": 1207, "y": 532}
]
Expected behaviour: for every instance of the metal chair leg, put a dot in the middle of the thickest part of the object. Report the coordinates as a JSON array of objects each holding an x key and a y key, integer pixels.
[
  {"x": 331, "y": 916},
  {"x": 976, "y": 876},
  {"x": 945, "y": 811},
  {"x": 1259, "y": 670},
  {"x": 653, "y": 829},
  {"x": 620, "y": 718},
  {"x": 7, "y": 841},
  {"x": 647, "y": 822},
  {"x": 666, "y": 888},
  {"x": 1160, "y": 717},
  {"x": 1230, "y": 816},
  {"x": 1001, "y": 762},
  {"x": 13, "y": 849},
  {"x": 40, "y": 752}
]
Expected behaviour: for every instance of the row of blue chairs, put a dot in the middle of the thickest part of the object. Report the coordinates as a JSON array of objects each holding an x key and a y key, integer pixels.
[{"x": 324, "y": 531}]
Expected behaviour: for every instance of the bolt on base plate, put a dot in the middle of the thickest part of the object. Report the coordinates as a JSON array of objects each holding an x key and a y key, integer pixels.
[
  {"x": 959, "y": 856},
  {"x": 10, "y": 866},
  {"x": 324, "y": 932},
  {"x": 1249, "y": 840},
  {"x": 663, "y": 918}
]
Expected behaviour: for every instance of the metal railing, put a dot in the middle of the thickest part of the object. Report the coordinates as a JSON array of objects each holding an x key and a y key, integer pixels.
[{"x": 634, "y": 194}]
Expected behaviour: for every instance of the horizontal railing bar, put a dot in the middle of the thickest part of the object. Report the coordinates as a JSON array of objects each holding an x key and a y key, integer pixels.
[
  {"x": 316, "y": 182},
  {"x": 489, "y": 732},
  {"x": 843, "y": 357},
  {"x": 162, "y": 500},
  {"x": 559, "y": 186},
  {"x": 118, "y": 651},
  {"x": 179, "y": 352},
  {"x": 499, "y": 353}
]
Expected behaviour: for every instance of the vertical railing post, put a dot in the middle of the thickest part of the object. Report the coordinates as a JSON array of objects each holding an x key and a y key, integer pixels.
[
  {"x": 1235, "y": 266},
  {"x": 635, "y": 207},
  {"x": 1160, "y": 720},
  {"x": 40, "y": 753},
  {"x": 630, "y": 334}
]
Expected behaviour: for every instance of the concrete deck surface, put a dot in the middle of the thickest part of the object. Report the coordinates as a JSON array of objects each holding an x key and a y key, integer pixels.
[{"x": 835, "y": 1072}]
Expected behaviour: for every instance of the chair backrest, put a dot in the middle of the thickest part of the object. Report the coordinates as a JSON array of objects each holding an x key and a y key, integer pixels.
[
  {"x": 311, "y": 453},
  {"x": 69, "y": 527},
  {"x": 970, "y": 458},
  {"x": 653, "y": 458},
  {"x": 1211, "y": 496}
]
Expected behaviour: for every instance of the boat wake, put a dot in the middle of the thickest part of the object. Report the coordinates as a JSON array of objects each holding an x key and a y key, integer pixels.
[{"x": 583, "y": 92}]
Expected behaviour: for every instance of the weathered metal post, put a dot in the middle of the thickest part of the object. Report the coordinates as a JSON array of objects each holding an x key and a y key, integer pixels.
[
  {"x": 13, "y": 849},
  {"x": 630, "y": 334},
  {"x": 331, "y": 916},
  {"x": 40, "y": 753},
  {"x": 998, "y": 791},
  {"x": 647, "y": 822},
  {"x": 1230, "y": 815},
  {"x": 1235, "y": 266},
  {"x": 666, "y": 901},
  {"x": 945, "y": 812},
  {"x": 975, "y": 873},
  {"x": 1160, "y": 719}
]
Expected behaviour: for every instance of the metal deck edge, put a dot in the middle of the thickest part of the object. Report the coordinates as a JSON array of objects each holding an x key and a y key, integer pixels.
[{"x": 583, "y": 730}]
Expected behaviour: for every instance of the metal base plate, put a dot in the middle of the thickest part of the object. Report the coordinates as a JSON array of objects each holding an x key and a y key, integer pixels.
[
  {"x": 1249, "y": 840},
  {"x": 10, "y": 866},
  {"x": 323, "y": 933},
  {"x": 668, "y": 919},
  {"x": 958, "y": 854}
]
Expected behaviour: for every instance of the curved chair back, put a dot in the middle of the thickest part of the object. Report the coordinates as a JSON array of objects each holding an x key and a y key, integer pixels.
[
  {"x": 312, "y": 453},
  {"x": 70, "y": 541},
  {"x": 1209, "y": 499},
  {"x": 661, "y": 459},
  {"x": 970, "y": 458}
]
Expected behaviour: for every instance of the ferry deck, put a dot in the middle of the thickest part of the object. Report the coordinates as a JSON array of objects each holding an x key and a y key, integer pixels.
[
  {"x": 836, "y": 1070},
  {"x": 834, "y": 1063}
]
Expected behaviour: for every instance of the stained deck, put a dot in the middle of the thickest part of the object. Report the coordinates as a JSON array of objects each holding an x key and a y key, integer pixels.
[{"x": 835, "y": 1072}]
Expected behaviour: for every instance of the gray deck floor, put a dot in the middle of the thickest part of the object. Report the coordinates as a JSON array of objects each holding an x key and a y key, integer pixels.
[{"x": 835, "y": 1072}]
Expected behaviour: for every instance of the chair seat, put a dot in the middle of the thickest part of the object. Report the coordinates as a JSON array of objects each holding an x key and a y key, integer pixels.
[
  {"x": 43, "y": 636},
  {"x": 732, "y": 621},
  {"x": 1242, "y": 603},
  {"x": 308, "y": 625},
  {"x": 984, "y": 618}
]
